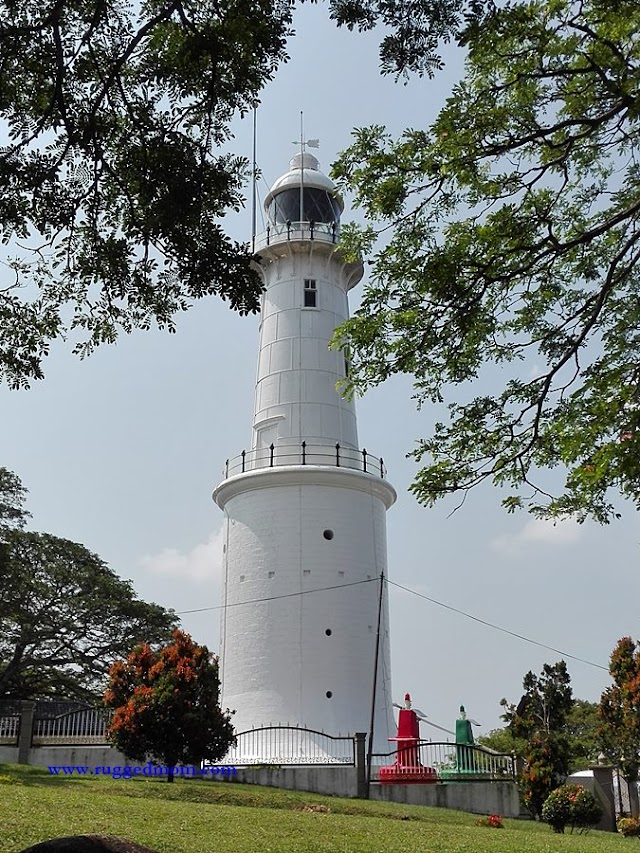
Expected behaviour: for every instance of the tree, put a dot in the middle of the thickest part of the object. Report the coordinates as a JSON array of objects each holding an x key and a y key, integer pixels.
[
  {"x": 64, "y": 617},
  {"x": 415, "y": 28},
  {"x": 512, "y": 260},
  {"x": 13, "y": 494},
  {"x": 503, "y": 741},
  {"x": 620, "y": 715},
  {"x": 540, "y": 718},
  {"x": 166, "y": 705},
  {"x": 112, "y": 179},
  {"x": 580, "y": 728}
]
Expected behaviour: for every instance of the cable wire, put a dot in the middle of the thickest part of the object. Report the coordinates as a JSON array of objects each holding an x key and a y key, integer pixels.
[
  {"x": 413, "y": 592},
  {"x": 497, "y": 627},
  {"x": 276, "y": 597}
]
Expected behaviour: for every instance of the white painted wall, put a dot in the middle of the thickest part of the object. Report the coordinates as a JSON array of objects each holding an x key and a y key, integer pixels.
[
  {"x": 278, "y": 664},
  {"x": 277, "y": 660},
  {"x": 296, "y": 397}
]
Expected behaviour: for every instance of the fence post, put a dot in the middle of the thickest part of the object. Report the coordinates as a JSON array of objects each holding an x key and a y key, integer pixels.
[
  {"x": 361, "y": 766},
  {"x": 25, "y": 732},
  {"x": 603, "y": 791}
]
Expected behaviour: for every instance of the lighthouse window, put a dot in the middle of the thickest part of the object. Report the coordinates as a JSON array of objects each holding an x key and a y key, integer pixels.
[
  {"x": 328, "y": 534},
  {"x": 328, "y": 632},
  {"x": 318, "y": 206},
  {"x": 310, "y": 293},
  {"x": 328, "y": 694}
]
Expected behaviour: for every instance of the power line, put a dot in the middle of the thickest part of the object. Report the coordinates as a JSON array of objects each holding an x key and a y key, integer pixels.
[
  {"x": 413, "y": 592},
  {"x": 497, "y": 627},
  {"x": 276, "y": 597}
]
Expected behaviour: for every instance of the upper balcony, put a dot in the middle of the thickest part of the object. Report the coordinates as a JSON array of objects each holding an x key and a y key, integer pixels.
[
  {"x": 334, "y": 456},
  {"x": 295, "y": 232}
]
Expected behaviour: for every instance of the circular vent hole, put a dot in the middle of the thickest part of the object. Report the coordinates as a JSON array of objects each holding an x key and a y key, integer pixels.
[
  {"x": 328, "y": 534},
  {"x": 328, "y": 694},
  {"x": 328, "y": 632}
]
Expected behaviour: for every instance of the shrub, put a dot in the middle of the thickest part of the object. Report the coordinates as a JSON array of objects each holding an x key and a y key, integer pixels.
[
  {"x": 571, "y": 805},
  {"x": 629, "y": 827}
]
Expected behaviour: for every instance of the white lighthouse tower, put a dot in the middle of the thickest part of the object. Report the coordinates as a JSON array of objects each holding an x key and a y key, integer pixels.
[{"x": 305, "y": 506}]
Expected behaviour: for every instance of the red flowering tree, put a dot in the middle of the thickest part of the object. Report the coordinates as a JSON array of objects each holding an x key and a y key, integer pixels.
[
  {"x": 166, "y": 707},
  {"x": 620, "y": 715}
]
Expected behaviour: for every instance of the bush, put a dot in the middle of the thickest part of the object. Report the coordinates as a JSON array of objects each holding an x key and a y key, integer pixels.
[
  {"x": 571, "y": 805},
  {"x": 629, "y": 827}
]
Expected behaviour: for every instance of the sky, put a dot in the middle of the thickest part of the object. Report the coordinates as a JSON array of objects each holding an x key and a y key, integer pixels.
[{"x": 122, "y": 450}]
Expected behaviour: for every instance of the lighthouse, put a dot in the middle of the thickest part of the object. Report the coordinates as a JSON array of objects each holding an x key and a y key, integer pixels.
[{"x": 304, "y": 622}]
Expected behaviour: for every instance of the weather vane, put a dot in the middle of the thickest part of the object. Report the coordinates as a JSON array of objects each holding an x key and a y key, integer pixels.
[{"x": 309, "y": 143}]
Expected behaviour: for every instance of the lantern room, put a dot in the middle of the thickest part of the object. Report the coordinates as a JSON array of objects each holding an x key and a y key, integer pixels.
[{"x": 303, "y": 194}]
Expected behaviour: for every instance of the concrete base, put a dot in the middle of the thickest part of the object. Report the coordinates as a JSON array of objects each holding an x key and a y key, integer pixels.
[
  {"x": 333, "y": 781},
  {"x": 476, "y": 797}
]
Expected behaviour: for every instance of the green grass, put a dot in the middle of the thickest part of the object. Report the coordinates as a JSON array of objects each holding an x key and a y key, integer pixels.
[{"x": 191, "y": 816}]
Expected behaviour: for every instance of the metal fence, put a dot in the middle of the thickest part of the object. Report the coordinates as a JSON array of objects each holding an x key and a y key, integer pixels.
[
  {"x": 9, "y": 729},
  {"x": 451, "y": 761},
  {"x": 84, "y": 726},
  {"x": 292, "y": 745},
  {"x": 333, "y": 455}
]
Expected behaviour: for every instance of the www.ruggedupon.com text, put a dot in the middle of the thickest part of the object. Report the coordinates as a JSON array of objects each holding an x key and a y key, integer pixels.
[{"x": 118, "y": 771}]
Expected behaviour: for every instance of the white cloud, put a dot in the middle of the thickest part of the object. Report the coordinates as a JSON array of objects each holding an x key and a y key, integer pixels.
[
  {"x": 538, "y": 531},
  {"x": 202, "y": 563}
]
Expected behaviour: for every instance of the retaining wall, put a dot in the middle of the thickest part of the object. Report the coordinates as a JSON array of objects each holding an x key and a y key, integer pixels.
[{"x": 475, "y": 797}]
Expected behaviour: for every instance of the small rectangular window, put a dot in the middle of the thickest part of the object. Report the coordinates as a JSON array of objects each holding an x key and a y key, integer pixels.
[{"x": 310, "y": 293}]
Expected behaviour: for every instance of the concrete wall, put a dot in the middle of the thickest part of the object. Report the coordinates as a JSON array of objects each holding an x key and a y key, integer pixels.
[
  {"x": 333, "y": 781},
  {"x": 83, "y": 756},
  {"x": 476, "y": 797}
]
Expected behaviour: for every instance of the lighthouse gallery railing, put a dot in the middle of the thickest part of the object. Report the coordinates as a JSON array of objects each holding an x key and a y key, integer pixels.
[
  {"x": 284, "y": 232},
  {"x": 291, "y": 745},
  {"x": 334, "y": 455}
]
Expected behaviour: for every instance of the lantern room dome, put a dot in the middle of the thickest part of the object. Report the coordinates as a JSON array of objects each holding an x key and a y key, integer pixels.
[{"x": 303, "y": 183}]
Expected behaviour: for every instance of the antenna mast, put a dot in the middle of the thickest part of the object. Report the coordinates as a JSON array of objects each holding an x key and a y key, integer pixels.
[
  {"x": 301, "y": 169},
  {"x": 254, "y": 172}
]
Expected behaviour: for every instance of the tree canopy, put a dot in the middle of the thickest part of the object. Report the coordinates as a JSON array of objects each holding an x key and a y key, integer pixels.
[
  {"x": 166, "y": 705},
  {"x": 540, "y": 719},
  {"x": 64, "y": 617},
  {"x": 13, "y": 495},
  {"x": 112, "y": 176},
  {"x": 620, "y": 714},
  {"x": 512, "y": 256},
  {"x": 580, "y": 727}
]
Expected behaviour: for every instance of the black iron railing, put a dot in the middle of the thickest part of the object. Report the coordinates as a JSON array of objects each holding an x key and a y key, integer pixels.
[
  {"x": 84, "y": 726},
  {"x": 292, "y": 745},
  {"x": 282, "y": 232},
  {"x": 334, "y": 455},
  {"x": 452, "y": 761}
]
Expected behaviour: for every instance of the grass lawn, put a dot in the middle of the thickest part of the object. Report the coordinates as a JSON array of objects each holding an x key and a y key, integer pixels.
[{"x": 190, "y": 816}]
